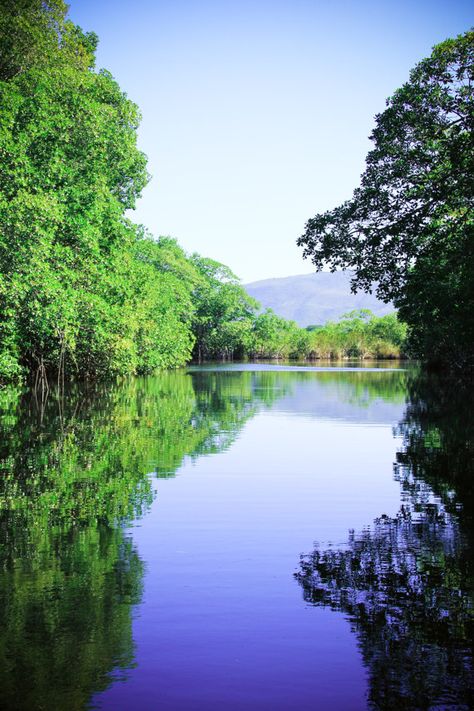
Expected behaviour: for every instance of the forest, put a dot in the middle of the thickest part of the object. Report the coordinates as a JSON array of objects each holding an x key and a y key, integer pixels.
[{"x": 85, "y": 292}]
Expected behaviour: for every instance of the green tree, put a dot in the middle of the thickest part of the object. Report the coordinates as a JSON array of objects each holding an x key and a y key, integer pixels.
[
  {"x": 358, "y": 334},
  {"x": 409, "y": 226},
  {"x": 70, "y": 169},
  {"x": 81, "y": 286},
  {"x": 224, "y": 314},
  {"x": 30, "y": 34},
  {"x": 388, "y": 328},
  {"x": 84, "y": 291}
]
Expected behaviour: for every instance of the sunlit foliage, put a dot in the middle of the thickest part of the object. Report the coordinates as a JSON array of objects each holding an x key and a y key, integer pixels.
[{"x": 84, "y": 292}]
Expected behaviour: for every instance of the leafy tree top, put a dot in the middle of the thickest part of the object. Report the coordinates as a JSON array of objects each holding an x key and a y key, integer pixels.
[
  {"x": 36, "y": 33},
  {"x": 417, "y": 189}
]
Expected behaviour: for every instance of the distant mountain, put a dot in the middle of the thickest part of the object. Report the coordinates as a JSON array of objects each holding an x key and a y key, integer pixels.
[{"x": 314, "y": 298}]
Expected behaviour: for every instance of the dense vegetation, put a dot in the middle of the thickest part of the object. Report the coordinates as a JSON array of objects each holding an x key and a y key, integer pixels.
[
  {"x": 83, "y": 290},
  {"x": 409, "y": 226},
  {"x": 81, "y": 287}
]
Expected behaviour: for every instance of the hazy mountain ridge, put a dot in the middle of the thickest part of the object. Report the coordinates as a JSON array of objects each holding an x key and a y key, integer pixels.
[{"x": 314, "y": 298}]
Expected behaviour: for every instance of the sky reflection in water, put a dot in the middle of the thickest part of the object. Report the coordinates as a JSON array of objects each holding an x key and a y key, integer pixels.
[{"x": 193, "y": 603}]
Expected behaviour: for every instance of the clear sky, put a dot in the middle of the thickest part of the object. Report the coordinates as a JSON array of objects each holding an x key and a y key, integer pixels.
[{"x": 256, "y": 113}]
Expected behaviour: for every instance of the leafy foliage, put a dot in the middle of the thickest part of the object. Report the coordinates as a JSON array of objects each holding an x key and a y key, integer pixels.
[
  {"x": 409, "y": 225},
  {"x": 224, "y": 313},
  {"x": 70, "y": 169},
  {"x": 84, "y": 292},
  {"x": 358, "y": 334}
]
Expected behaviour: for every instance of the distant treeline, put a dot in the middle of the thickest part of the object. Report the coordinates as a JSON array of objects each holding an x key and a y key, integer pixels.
[
  {"x": 84, "y": 292},
  {"x": 358, "y": 334}
]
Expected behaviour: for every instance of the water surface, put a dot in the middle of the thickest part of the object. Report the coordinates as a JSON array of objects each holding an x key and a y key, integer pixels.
[{"x": 254, "y": 537}]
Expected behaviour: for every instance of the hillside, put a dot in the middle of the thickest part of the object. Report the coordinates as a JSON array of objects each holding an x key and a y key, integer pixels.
[{"x": 314, "y": 298}]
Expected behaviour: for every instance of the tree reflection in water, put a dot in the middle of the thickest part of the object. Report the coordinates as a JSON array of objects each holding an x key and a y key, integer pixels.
[
  {"x": 73, "y": 471},
  {"x": 406, "y": 583}
]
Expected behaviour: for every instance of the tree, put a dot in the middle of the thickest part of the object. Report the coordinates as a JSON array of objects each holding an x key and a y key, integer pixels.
[
  {"x": 84, "y": 292},
  {"x": 409, "y": 226},
  {"x": 29, "y": 32},
  {"x": 81, "y": 286},
  {"x": 70, "y": 169},
  {"x": 224, "y": 313}
]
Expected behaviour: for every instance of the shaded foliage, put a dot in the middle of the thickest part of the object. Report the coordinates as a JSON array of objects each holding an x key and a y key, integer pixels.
[{"x": 409, "y": 225}]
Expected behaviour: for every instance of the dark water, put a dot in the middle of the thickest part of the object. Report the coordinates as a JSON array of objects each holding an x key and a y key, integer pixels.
[{"x": 239, "y": 538}]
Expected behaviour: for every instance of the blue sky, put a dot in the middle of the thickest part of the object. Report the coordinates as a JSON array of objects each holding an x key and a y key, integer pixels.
[{"x": 256, "y": 115}]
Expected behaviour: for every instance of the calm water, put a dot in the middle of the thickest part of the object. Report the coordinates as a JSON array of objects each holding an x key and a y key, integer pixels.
[{"x": 243, "y": 537}]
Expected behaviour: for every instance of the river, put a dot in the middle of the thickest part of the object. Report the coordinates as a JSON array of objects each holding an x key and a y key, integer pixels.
[{"x": 238, "y": 536}]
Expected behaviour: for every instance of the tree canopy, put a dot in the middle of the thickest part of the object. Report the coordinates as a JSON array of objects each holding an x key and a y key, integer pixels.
[
  {"x": 409, "y": 225},
  {"x": 85, "y": 292}
]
